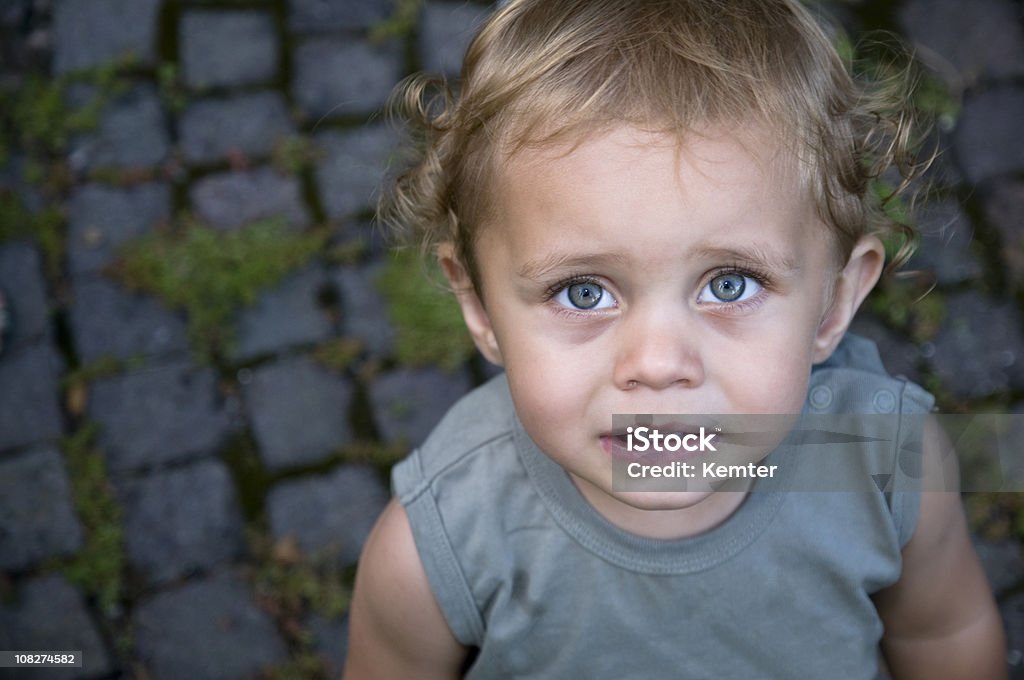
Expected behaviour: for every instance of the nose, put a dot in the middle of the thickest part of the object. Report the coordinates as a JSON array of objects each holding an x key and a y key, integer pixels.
[{"x": 658, "y": 351}]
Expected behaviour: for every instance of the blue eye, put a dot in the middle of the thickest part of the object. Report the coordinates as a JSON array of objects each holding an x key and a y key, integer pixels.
[
  {"x": 585, "y": 295},
  {"x": 731, "y": 287}
]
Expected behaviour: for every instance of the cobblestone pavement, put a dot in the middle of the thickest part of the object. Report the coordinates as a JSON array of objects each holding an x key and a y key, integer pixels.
[{"x": 177, "y": 516}]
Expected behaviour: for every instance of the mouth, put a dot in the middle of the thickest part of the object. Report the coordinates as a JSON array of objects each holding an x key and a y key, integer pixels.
[{"x": 659, "y": 442}]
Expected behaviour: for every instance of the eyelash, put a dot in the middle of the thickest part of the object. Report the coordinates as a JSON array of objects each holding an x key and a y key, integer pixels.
[
  {"x": 556, "y": 288},
  {"x": 566, "y": 312},
  {"x": 759, "y": 277}
]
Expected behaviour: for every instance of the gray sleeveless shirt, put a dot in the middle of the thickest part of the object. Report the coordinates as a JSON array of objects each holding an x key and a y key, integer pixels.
[{"x": 541, "y": 586}]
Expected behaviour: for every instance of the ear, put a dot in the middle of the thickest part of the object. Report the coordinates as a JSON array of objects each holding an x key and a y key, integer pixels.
[
  {"x": 853, "y": 283},
  {"x": 473, "y": 312}
]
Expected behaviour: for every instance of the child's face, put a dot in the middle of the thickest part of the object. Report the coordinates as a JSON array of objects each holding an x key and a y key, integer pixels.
[{"x": 625, "y": 277}]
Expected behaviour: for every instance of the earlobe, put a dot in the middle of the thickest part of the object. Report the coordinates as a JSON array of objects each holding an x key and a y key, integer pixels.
[
  {"x": 855, "y": 281},
  {"x": 473, "y": 311}
]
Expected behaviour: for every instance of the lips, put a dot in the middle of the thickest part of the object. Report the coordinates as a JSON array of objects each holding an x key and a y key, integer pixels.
[{"x": 616, "y": 443}]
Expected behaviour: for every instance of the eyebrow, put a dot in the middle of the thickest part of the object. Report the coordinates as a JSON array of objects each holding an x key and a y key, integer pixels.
[
  {"x": 758, "y": 255},
  {"x": 542, "y": 267}
]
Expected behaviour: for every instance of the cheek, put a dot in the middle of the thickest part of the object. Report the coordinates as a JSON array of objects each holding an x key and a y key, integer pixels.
[
  {"x": 550, "y": 394},
  {"x": 774, "y": 371}
]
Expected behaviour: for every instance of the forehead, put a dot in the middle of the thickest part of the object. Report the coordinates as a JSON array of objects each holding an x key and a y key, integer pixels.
[
  {"x": 631, "y": 200},
  {"x": 746, "y": 166}
]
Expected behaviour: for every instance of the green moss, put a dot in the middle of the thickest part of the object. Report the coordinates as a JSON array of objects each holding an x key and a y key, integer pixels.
[
  {"x": 291, "y": 584},
  {"x": 99, "y": 565},
  {"x": 292, "y": 154},
  {"x": 996, "y": 516},
  {"x": 381, "y": 456},
  {"x": 895, "y": 207},
  {"x": 845, "y": 47},
  {"x": 936, "y": 99},
  {"x": 349, "y": 252},
  {"x": 304, "y": 665},
  {"x": 401, "y": 23},
  {"x": 172, "y": 90},
  {"x": 211, "y": 274},
  {"x": 40, "y": 117},
  {"x": 339, "y": 353},
  {"x": 45, "y": 228},
  {"x": 100, "y": 368},
  {"x": 904, "y": 305},
  {"x": 36, "y": 115},
  {"x": 428, "y": 324}
]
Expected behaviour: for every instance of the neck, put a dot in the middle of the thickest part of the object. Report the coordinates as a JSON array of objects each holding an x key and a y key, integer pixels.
[{"x": 668, "y": 523}]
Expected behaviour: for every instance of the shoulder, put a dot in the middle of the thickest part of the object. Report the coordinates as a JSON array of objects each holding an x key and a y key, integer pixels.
[
  {"x": 447, "y": 488},
  {"x": 853, "y": 380},
  {"x": 396, "y": 625},
  {"x": 940, "y": 617},
  {"x": 471, "y": 426}
]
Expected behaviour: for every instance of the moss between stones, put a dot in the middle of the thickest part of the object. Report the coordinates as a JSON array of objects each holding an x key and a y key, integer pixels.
[
  {"x": 98, "y": 567},
  {"x": 211, "y": 274},
  {"x": 381, "y": 456},
  {"x": 402, "y": 22},
  {"x": 37, "y": 123},
  {"x": 45, "y": 227},
  {"x": 289, "y": 585},
  {"x": 996, "y": 515},
  {"x": 338, "y": 354},
  {"x": 909, "y": 306},
  {"x": 428, "y": 323}
]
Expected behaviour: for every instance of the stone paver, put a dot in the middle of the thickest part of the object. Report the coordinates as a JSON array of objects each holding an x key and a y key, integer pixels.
[
  {"x": 899, "y": 355},
  {"x": 1012, "y": 610},
  {"x": 330, "y": 640},
  {"x": 349, "y": 173},
  {"x": 286, "y": 316},
  {"x": 230, "y": 200},
  {"x": 1003, "y": 561},
  {"x": 211, "y": 129},
  {"x": 337, "y": 76},
  {"x": 21, "y": 277},
  {"x": 980, "y": 349},
  {"x": 408, "y": 403},
  {"x": 329, "y": 515},
  {"x": 107, "y": 320},
  {"x": 181, "y": 520},
  {"x": 976, "y": 39},
  {"x": 206, "y": 630},
  {"x": 101, "y": 220},
  {"x": 227, "y": 48},
  {"x": 331, "y": 15},
  {"x": 945, "y": 249},
  {"x": 298, "y": 410},
  {"x": 1004, "y": 208},
  {"x": 445, "y": 32},
  {"x": 158, "y": 415},
  {"x": 364, "y": 312},
  {"x": 90, "y": 33},
  {"x": 254, "y": 72},
  {"x": 29, "y": 398},
  {"x": 37, "y": 518},
  {"x": 49, "y": 614},
  {"x": 987, "y": 138},
  {"x": 132, "y": 133}
]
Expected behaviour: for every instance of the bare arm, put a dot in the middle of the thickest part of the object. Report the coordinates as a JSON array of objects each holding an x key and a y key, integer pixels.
[
  {"x": 396, "y": 629},
  {"x": 941, "y": 621}
]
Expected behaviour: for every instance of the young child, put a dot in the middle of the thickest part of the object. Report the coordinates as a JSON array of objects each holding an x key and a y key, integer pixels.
[{"x": 657, "y": 207}]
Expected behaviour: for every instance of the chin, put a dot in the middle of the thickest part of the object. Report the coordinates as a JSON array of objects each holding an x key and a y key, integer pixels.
[{"x": 662, "y": 500}]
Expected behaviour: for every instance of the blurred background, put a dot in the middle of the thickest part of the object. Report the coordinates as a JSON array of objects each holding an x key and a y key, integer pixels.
[{"x": 211, "y": 360}]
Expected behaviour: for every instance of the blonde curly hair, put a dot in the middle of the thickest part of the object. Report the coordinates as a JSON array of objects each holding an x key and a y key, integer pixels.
[{"x": 544, "y": 71}]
